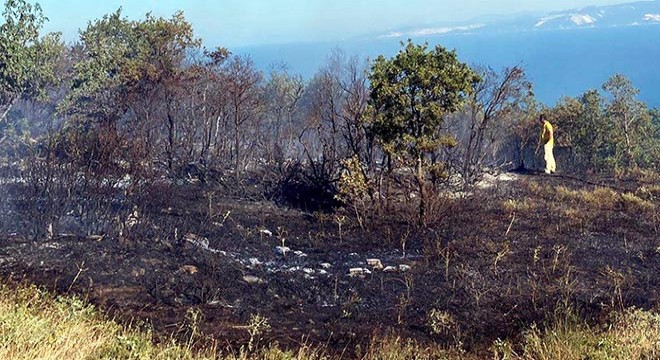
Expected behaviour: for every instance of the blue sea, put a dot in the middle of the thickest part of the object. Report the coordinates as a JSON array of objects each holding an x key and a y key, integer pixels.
[{"x": 558, "y": 62}]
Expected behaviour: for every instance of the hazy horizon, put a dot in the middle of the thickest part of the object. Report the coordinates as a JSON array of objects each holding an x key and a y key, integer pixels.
[
  {"x": 301, "y": 35},
  {"x": 234, "y": 23}
]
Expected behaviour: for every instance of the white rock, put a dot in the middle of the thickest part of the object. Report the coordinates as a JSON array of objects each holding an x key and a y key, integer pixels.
[
  {"x": 294, "y": 269},
  {"x": 507, "y": 177},
  {"x": 389, "y": 269},
  {"x": 326, "y": 265},
  {"x": 197, "y": 240},
  {"x": 51, "y": 245},
  {"x": 355, "y": 271},
  {"x": 404, "y": 268},
  {"x": 214, "y": 303},
  {"x": 254, "y": 262},
  {"x": 299, "y": 253},
  {"x": 487, "y": 181},
  {"x": 132, "y": 219},
  {"x": 282, "y": 250},
  {"x": 203, "y": 243},
  {"x": 266, "y": 232},
  {"x": 358, "y": 272},
  {"x": 189, "y": 269},
  {"x": 376, "y": 264},
  {"x": 252, "y": 280}
]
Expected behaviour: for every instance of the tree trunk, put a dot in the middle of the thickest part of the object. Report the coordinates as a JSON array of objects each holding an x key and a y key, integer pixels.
[
  {"x": 626, "y": 133},
  {"x": 3, "y": 117},
  {"x": 388, "y": 184},
  {"x": 237, "y": 144},
  {"x": 422, "y": 190},
  {"x": 170, "y": 140}
]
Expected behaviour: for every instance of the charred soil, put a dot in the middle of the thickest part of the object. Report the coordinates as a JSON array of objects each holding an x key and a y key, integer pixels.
[{"x": 491, "y": 264}]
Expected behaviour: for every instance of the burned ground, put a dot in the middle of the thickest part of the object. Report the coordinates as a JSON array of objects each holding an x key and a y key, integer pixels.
[{"x": 494, "y": 262}]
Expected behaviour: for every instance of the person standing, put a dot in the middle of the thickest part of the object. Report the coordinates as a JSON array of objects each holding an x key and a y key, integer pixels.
[{"x": 547, "y": 138}]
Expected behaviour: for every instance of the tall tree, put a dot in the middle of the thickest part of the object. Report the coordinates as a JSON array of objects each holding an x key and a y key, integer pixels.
[
  {"x": 497, "y": 99},
  {"x": 629, "y": 115},
  {"x": 411, "y": 94},
  {"x": 654, "y": 140},
  {"x": 130, "y": 67},
  {"x": 586, "y": 129},
  {"x": 282, "y": 95},
  {"x": 27, "y": 61},
  {"x": 243, "y": 87}
]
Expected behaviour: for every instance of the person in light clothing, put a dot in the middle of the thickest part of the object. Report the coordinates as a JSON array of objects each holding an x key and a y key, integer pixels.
[{"x": 547, "y": 138}]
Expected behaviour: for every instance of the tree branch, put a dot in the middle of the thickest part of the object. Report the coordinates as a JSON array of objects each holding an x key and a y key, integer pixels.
[{"x": 11, "y": 103}]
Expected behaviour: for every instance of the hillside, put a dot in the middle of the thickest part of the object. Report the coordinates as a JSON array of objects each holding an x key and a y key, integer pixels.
[
  {"x": 530, "y": 248},
  {"x": 408, "y": 206}
]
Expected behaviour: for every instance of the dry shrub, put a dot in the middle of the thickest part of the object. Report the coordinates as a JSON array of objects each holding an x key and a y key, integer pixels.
[
  {"x": 35, "y": 324},
  {"x": 523, "y": 205},
  {"x": 542, "y": 190},
  {"x": 565, "y": 194},
  {"x": 651, "y": 192},
  {"x": 442, "y": 323},
  {"x": 576, "y": 218},
  {"x": 641, "y": 175},
  {"x": 633, "y": 203},
  {"x": 635, "y": 334},
  {"x": 353, "y": 188},
  {"x": 601, "y": 197}
]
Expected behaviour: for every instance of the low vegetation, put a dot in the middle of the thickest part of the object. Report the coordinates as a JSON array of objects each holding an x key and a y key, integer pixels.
[
  {"x": 35, "y": 324},
  {"x": 632, "y": 334}
]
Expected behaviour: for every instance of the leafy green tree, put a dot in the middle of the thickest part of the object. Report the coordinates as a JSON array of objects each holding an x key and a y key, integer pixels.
[
  {"x": 608, "y": 132},
  {"x": 655, "y": 141},
  {"x": 650, "y": 151},
  {"x": 124, "y": 56},
  {"x": 411, "y": 94},
  {"x": 655, "y": 122},
  {"x": 592, "y": 132},
  {"x": 581, "y": 123},
  {"x": 127, "y": 63},
  {"x": 630, "y": 118},
  {"x": 27, "y": 60}
]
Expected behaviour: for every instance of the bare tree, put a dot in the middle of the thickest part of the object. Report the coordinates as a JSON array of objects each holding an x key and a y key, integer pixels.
[
  {"x": 335, "y": 128},
  {"x": 495, "y": 100},
  {"x": 243, "y": 86},
  {"x": 283, "y": 93}
]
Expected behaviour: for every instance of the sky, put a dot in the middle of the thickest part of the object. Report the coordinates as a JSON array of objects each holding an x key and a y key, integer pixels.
[{"x": 239, "y": 23}]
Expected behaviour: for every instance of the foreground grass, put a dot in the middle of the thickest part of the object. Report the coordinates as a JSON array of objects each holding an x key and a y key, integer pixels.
[
  {"x": 633, "y": 334},
  {"x": 34, "y": 324}
]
